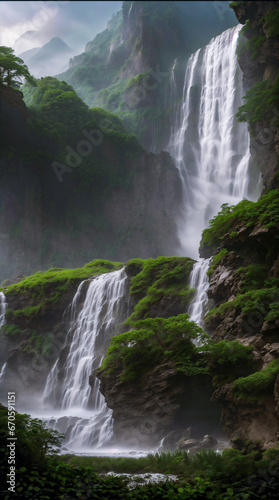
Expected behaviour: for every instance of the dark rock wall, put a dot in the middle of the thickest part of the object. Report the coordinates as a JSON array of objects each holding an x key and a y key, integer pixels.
[
  {"x": 262, "y": 64},
  {"x": 45, "y": 223}
]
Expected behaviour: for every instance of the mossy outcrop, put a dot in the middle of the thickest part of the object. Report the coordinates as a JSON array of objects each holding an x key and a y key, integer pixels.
[
  {"x": 244, "y": 290},
  {"x": 258, "y": 57}
]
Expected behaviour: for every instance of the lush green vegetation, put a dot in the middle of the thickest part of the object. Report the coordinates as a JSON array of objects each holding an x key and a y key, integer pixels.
[
  {"x": 259, "y": 384},
  {"x": 246, "y": 214},
  {"x": 261, "y": 100},
  {"x": 263, "y": 301},
  {"x": 63, "y": 118},
  {"x": 271, "y": 22},
  {"x": 229, "y": 360},
  {"x": 45, "y": 288},
  {"x": 153, "y": 341},
  {"x": 235, "y": 3},
  {"x": 12, "y": 69},
  {"x": 253, "y": 276},
  {"x": 250, "y": 474},
  {"x": 154, "y": 280}
]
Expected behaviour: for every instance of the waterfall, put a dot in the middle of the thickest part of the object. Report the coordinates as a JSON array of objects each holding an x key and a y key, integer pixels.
[
  {"x": 210, "y": 147},
  {"x": 2, "y": 372},
  {"x": 83, "y": 413},
  {"x": 3, "y": 307},
  {"x": 199, "y": 281}
]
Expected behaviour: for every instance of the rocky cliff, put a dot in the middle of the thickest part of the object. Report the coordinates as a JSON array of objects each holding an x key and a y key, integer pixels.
[
  {"x": 258, "y": 56},
  {"x": 127, "y": 68},
  {"x": 244, "y": 292}
]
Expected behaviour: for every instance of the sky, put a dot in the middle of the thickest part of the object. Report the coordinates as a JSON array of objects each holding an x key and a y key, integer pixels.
[{"x": 76, "y": 22}]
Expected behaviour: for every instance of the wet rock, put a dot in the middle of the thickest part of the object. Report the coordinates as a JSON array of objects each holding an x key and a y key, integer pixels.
[
  {"x": 189, "y": 443},
  {"x": 172, "y": 439},
  {"x": 208, "y": 442}
]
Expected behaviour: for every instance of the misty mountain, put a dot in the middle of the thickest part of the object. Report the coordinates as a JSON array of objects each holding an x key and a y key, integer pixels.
[
  {"x": 143, "y": 38},
  {"x": 29, "y": 53},
  {"x": 48, "y": 59}
]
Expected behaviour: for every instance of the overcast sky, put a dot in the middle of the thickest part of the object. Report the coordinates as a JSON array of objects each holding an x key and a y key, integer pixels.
[{"x": 76, "y": 22}]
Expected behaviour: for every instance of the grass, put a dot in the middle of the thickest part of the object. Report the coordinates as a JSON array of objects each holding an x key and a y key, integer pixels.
[{"x": 207, "y": 464}]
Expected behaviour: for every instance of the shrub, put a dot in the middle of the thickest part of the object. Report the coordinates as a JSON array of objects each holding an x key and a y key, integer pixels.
[
  {"x": 230, "y": 359},
  {"x": 261, "y": 100},
  {"x": 259, "y": 384},
  {"x": 152, "y": 341},
  {"x": 156, "y": 279},
  {"x": 247, "y": 213}
]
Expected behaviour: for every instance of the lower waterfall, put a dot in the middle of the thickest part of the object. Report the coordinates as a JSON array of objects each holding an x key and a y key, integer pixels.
[
  {"x": 3, "y": 307},
  {"x": 76, "y": 405},
  {"x": 199, "y": 281}
]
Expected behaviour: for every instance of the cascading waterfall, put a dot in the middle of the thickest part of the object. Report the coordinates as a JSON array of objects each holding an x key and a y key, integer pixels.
[
  {"x": 210, "y": 147},
  {"x": 199, "y": 281},
  {"x": 3, "y": 307},
  {"x": 83, "y": 413}
]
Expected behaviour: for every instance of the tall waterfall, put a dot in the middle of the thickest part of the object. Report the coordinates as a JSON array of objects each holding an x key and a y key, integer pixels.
[
  {"x": 84, "y": 415},
  {"x": 210, "y": 147}
]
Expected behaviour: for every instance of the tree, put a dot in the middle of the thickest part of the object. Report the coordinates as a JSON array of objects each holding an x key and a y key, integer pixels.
[{"x": 12, "y": 69}]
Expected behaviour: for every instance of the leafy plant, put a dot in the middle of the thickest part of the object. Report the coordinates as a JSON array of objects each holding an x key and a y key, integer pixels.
[
  {"x": 258, "y": 384},
  {"x": 150, "y": 341}
]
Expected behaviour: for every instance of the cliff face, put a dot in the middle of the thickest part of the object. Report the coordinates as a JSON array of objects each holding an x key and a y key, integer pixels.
[
  {"x": 259, "y": 61},
  {"x": 126, "y": 69},
  {"x": 41, "y": 217},
  {"x": 244, "y": 292},
  {"x": 162, "y": 402}
]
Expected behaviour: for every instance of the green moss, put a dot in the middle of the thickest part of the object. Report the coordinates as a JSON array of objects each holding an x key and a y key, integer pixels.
[
  {"x": 271, "y": 22},
  {"x": 247, "y": 213},
  {"x": 27, "y": 312},
  {"x": 156, "y": 279},
  {"x": 8, "y": 329},
  {"x": 46, "y": 288},
  {"x": 39, "y": 343},
  {"x": 254, "y": 276},
  {"x": 263, "y": 301},
  {"x": 259, "y": 384},
  {"x": 235, "y": 4}
]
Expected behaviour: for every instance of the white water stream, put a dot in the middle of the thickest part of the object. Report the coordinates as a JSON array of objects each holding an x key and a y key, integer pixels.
[
  {"x": 3, "y": 308},
  {"x": 210, "y": 147},
  {"x": 81, "y": 411},
  {"x": 199, "y": 281}
]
